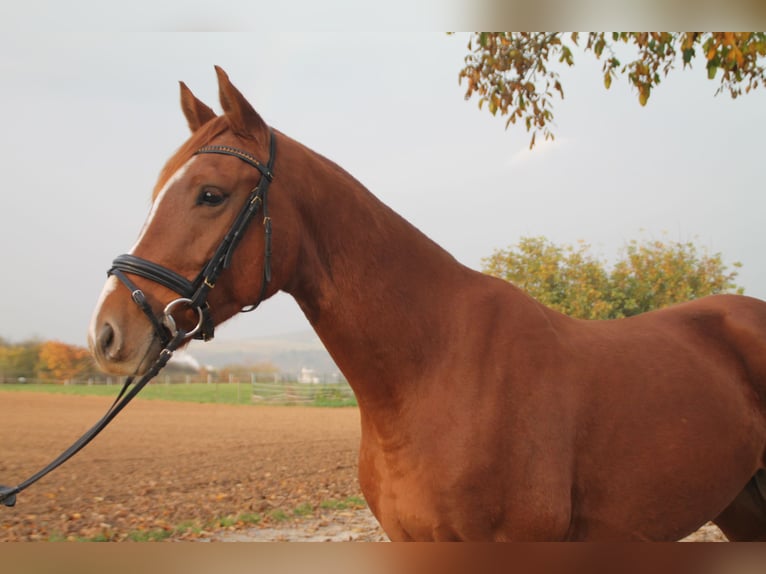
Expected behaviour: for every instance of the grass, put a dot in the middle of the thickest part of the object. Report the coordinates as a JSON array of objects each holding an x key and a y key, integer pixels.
[
  {"x": 329, "y": 395},
  {"x": 249, "y": 518},
  {"x": 278, "y": 515},
  {"x": 157, "y": 535},
  {"x": 350, "y": 502},
  {"x": 304, "y": 509}
]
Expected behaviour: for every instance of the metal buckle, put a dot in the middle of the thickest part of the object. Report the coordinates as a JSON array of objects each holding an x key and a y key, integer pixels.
[{"x": 170, "y": 322}]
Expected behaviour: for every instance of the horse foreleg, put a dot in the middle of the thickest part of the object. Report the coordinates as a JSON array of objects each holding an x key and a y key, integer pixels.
[{"x": 745, "y": 518}]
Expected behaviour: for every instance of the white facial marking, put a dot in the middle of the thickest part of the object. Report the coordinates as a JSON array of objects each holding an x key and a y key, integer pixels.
[
  {"x": 110, "y": 285},
  {"x": 160, "y": 196}
]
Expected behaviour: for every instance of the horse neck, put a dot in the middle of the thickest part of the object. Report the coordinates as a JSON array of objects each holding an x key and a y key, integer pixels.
[{"x": 375, "y": 289}]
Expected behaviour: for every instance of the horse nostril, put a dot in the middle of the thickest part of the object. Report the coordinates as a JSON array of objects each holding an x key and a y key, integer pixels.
[{"x": 109, "y": 342}]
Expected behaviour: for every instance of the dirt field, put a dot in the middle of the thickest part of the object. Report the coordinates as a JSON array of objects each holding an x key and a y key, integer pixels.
[{"x": 177, "y": 471}]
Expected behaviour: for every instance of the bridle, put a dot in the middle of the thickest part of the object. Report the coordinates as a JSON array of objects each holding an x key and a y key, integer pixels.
[{"x": 192, "y": 294}]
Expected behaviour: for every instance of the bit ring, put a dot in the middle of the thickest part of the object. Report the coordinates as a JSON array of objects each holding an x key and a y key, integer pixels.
[{"x": 170, "y": 322}]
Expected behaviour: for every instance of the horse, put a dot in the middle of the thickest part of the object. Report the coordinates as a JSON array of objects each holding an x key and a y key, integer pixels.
[{"x": 485, "y": 416}]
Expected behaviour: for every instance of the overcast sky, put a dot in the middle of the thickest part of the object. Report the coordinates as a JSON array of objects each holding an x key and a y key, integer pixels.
[{"x": 88, "y": 120}]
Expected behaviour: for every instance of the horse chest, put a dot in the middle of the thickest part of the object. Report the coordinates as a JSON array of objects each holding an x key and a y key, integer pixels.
[{"x": 408, "y": 506}]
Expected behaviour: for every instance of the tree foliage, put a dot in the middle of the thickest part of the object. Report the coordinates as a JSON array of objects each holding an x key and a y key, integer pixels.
[
  {"x": 63, "y": 362},
  {"x": 511, "y": 72},
  {"x": 18, "y": 360},
  {"x": 654, "y": 274},
  {"x": 44, "y": 360},
  {"x": 647, "y": 275}
]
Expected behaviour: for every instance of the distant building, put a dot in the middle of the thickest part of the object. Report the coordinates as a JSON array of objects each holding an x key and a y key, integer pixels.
[{"x": 308, "y": 376}]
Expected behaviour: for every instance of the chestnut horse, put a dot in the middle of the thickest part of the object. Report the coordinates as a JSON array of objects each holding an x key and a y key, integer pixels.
[{"x": 484, "y": 414}]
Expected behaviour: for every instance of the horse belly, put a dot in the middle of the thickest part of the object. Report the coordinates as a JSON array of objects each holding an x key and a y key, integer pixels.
[{"x": 658, "y": 466}]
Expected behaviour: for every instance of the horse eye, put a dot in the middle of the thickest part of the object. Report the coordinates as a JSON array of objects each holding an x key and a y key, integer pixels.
[{"x": 211, "y": 196}]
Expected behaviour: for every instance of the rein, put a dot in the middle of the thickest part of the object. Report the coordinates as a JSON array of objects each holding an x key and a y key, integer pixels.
[
  {"x": 8, "y": 494},
  {"x": 193, "y": 294}
]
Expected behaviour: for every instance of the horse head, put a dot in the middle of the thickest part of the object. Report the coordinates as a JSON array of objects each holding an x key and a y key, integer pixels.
[{"x": 203, "y": 193}]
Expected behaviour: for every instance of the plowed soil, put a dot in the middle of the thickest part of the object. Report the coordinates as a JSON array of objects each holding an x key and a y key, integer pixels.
[{"x": 174, "y": 471}]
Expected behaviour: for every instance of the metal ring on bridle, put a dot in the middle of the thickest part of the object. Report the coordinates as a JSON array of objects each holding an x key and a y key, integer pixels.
[{"x": 170, "y": 322}]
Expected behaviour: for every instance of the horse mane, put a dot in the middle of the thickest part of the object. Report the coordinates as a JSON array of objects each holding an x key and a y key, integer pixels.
[{"x": 199, "y": 138}]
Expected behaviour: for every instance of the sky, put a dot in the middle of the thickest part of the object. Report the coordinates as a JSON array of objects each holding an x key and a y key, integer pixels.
[{"x": 89, "y": 119}]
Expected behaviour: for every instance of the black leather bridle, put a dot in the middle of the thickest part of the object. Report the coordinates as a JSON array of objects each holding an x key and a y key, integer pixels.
[{"x": 193, "y": 294}]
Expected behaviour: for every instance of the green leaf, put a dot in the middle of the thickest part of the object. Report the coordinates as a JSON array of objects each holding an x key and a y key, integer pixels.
[
  {"x": 688, "y": 55},
  {"x": 711, "y": 70},
  {"x": 607, "y": 80},
  {"x": 598, "y": 48},
  {"x": 566, "y": 56}
]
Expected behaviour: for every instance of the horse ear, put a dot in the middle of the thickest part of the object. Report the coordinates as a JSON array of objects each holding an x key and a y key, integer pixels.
[
  {"x": 195, "y": 111},
  {"x": 244, "y": 120}
]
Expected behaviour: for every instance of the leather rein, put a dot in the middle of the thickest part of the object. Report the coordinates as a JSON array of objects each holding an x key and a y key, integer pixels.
[{"x": 192, "y": 294}]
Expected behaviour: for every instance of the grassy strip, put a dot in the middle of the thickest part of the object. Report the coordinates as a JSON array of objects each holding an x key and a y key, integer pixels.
[{"x": 218, "y": 393}]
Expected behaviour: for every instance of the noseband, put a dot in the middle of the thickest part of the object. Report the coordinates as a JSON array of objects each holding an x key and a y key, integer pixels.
[{"x": 193, "y": 294}]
